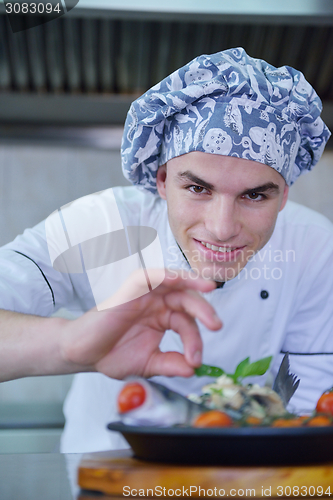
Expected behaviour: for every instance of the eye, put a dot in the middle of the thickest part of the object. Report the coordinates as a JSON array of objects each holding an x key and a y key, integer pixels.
[
  {"x": 254, "y": 196},
  {"x": 196, "y": 189}
]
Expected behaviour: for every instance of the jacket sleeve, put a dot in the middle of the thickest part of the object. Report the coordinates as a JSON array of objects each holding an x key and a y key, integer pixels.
[
  {"x": 28, "y": 282},
  {"x": 309, "y": 337}
]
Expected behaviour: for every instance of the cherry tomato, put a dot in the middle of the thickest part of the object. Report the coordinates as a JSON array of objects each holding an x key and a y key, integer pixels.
[
  {"x": 213, "y": 418},
  {"x": 319, "y": 421},
  {"x": 131, "y": 396},
  {"x": 288, "y": 422},
  {"x": 253, "y": 420},
  {"x": 325, "y": 402}
]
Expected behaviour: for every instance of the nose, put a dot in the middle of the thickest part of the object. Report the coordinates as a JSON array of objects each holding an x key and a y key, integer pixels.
[{"x": 222, "y": 219}]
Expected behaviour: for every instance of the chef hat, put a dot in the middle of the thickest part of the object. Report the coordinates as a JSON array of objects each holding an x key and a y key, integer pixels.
[{"x": 226, "y": 103}]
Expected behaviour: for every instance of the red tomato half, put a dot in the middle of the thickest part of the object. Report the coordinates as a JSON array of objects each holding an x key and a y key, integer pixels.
[
  {"x": 325, "y": 403},
  {"x": 131, "y": 396}
]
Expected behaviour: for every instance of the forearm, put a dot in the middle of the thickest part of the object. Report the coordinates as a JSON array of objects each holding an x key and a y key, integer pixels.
[
  {"x": 118, "y": 342},
  {"x": 32, "y": 345}
]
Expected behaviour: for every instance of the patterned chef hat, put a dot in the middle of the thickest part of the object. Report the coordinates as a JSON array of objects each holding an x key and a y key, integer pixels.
[{"x": 230, "y": 104}]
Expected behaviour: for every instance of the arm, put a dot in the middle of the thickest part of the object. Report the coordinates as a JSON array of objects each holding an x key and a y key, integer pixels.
[{"x": 118, "y": 341}]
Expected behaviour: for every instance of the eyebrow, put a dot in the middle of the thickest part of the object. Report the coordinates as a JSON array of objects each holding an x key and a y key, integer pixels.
[
  {"x": 269, "y": 186},
  {"x": 193, "y": 178}
]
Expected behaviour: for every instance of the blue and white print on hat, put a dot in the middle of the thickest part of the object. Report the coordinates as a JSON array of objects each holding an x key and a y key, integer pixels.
[{"x": 226, "y": 103}]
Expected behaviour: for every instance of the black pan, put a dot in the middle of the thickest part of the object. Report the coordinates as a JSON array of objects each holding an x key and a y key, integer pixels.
[{"x": 230, "y": 446}]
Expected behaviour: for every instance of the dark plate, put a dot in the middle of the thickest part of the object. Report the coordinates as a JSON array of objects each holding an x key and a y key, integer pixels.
[{"x": 241, "y": 446}]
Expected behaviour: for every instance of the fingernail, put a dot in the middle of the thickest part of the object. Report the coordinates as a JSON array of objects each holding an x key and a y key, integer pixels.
[{"x": 197, "y": 358}]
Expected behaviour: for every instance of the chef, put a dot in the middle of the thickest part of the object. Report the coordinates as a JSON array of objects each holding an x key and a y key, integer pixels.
[{"x": 211, "y": 151}]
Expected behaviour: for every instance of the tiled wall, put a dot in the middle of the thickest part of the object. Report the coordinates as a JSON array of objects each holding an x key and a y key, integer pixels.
[
  {"x": 36, "y": 180},
  {"x": 315, "y": 189}
]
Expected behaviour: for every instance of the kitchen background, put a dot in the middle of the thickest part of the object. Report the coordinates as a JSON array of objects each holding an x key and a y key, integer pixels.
[{"x": 65, "y": 88}]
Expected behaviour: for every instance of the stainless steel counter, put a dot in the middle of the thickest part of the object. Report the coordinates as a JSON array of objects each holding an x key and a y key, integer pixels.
[
  {"x": 30, "y": 427},
  {"x": 32, "y": 477}
]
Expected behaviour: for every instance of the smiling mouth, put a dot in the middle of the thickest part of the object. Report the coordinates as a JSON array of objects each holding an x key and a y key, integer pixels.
[{"x": 218, "y": 249}]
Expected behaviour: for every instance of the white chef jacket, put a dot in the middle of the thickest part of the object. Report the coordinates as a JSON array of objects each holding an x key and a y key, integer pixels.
[{"x": 281, "y": 301}]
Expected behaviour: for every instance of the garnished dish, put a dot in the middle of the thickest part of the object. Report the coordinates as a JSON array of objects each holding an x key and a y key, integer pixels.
[
  {"x": 226, "y": 402},
  {"x": 230, "y": 422}
]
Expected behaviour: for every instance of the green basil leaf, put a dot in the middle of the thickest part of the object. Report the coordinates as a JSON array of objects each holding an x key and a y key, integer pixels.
[
  {"x": 240, "y": 369},
  {"x": 257, "y": 368},
  {"x": 210, "y": 371}
]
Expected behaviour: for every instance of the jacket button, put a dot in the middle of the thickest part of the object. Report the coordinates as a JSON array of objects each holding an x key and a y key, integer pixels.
[{"x": 264, "y": 294}]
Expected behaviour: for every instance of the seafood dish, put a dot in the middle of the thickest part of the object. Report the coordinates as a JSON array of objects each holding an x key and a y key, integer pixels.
[{"x": 226, "y": 402}]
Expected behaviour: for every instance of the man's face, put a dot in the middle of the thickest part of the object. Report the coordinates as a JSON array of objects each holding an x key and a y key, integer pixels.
[{"x": 222, "y": 209}]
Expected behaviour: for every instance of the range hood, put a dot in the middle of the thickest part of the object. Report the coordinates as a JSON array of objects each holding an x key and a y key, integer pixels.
[
  {"x": 319, "y": 10},
  {"x": 87, "y": 66}
]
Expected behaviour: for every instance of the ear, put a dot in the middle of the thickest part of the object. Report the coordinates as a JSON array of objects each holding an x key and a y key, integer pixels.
[
  {"x": 285, "y": 197},
  {"x": 161, "y": 181}
]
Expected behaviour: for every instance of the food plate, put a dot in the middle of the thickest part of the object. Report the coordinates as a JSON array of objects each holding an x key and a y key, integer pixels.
[{"x": 230, "y": 446}]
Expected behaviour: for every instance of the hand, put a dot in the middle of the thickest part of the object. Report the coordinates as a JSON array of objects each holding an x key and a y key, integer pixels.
[{"x": 125, "y": 340}]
